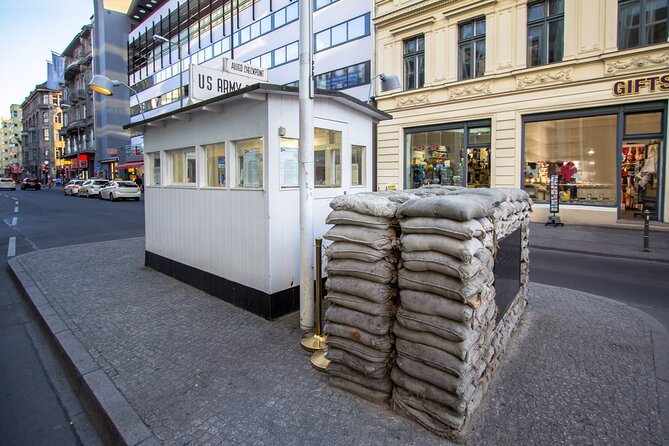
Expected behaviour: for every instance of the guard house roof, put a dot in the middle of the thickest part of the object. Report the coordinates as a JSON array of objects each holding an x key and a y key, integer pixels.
[{"x": 342, "y": 98}]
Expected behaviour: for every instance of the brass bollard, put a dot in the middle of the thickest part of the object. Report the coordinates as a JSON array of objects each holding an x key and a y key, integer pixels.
[{"x": 315, "y": 342}]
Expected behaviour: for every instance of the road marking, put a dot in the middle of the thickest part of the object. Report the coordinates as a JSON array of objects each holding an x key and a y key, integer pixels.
[
  {"x": 16, "y": 209},
  {"x": 11, "y": 249},
  {"x": 14, "y": 220}
]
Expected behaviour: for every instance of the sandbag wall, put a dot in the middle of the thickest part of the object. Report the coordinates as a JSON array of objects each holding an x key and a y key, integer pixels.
[
  {"x": 436, "y": 349},
  {"x": 361, "y": 292}
]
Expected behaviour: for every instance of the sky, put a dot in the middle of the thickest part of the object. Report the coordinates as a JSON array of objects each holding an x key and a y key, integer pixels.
[{"x": 29, "y": 31}]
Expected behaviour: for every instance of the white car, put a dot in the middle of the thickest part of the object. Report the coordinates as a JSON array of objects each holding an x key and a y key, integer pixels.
[
  {"x": 72, "y": 188},
  {"x": 7, "y": 184},
  {"x": 92, "y": 187},
  {"x": 116, "y": 190}
]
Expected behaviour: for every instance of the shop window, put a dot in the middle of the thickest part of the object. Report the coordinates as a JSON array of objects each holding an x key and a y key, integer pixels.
[
  {"x": 471, "y": 49},
  {"x": 414, "y": 63},
  {"x": 358, "y": 165},
  {"x": 641, "y": 22},
  {"x": 183, "y": 166},
  {"x": 435, "y": 157},
  {"x": 215, "y": 155},
  {"x": 327, "y": 158},
  {"x": 154, "y": 168},
  {"x": 249, "y": 159},
  {"x": 643, "y": 123},
  {"x": 581, "y": 151},
  {"x": 545, "y": 32}
]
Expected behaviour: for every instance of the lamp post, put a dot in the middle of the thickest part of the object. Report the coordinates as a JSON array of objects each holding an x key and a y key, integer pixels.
[
  {"x": 103, "y": 85},
  {"x": 162, "y": 39}
]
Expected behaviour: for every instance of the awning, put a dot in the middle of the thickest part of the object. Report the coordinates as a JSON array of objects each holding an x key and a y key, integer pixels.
[
  {"x": 130, "y": 165},
  {"x": 109, "y": 160}
]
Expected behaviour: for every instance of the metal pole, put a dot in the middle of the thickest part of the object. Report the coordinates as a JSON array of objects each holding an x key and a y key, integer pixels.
[
  {"x": 646, "y": 230},
  {"x": 306, "y": 170}
]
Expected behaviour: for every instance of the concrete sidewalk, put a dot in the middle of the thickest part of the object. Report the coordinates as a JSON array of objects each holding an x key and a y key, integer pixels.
[{"x": 156, "y": 361}]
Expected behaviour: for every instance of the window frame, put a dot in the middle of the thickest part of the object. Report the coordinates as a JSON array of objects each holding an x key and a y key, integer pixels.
[
  {"x": 206, "y": 148},
  {"x": 471, "y": 42},
  {"x": 172, "y": 153},
  {"x": 235, "y": 150},
  {"x": 643, "y": 25},
  {"x": 418, "y": 58},
  {"x": 544, "y": 24},
  {"x": 328, "y": 33}
]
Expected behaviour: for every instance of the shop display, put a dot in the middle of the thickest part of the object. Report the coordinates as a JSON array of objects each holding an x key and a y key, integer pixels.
[{"x": 638, "y": 177}]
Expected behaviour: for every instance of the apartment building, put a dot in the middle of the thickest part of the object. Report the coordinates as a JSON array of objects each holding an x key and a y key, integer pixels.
[
  {"x": 10, "y": 143},
  {"x": 512, "y": 93},
  {"x": 78, "y": 153},
  {"x": 42, "y": 121}
]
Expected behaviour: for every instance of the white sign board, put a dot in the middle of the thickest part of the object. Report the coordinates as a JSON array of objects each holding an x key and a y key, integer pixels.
[
  {"x": 289, "y": 167},
  {"x": 207, "y": 83},
  {"x": 244, "y": 69}
]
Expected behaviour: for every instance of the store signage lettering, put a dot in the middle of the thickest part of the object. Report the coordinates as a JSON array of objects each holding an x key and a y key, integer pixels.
[
  {"x": 650, "y": 84},
  {"x": 222, "y": 85},
  {"x": 244, "y": 69},
  {"x": 208, "y": 83}
]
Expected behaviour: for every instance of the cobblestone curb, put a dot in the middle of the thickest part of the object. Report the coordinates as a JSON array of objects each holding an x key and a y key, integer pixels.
[{"x": 113, "y": 417}]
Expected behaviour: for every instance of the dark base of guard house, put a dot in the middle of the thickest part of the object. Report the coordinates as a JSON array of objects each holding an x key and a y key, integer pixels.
[{"x": 268, "y": 306}]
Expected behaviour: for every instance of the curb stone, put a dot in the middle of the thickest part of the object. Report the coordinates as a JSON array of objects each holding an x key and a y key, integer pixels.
[{"x": 113, "y": 417}]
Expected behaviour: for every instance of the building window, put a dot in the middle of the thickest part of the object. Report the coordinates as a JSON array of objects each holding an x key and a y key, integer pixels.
[
  {"x": 414, "y": 63},
  {"x": 45, "y": 99},
  {"x": 154, "y": 168},
  {"x": 46, "y": 134},
  {"x": 344, "y": 78},
  {"x": 184, "y": 166},
  {"x": 344, "y": 32},
  {"x": 279, "y": 56},
  {"x": 45, "y": 118},
  {"x": 545, "y": 32},
  {"x": 318, "y": 4},
  {"x": 581, "y": 151},
  {"x": 471, "y": 49},
  {"x": 327, "y": 158},
  {"x": 215, "y": 155},
  {"x": 249, "y": 159},
  {"x": 358, "y": 165},
  {"x": 641, "y": 22}
]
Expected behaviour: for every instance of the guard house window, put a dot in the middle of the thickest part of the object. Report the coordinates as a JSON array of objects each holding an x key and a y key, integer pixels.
[
  {"x": 183, "y": 166},
  {"x": 641, "y": 22},
  {"x": 327, "y": 158},
  {"x": 471, "y": 47},
  {"x": 545, "y": 32},
  {"x": 414, "y": 63},
  {"x": 249, "y": 158},
  {"x": 358, "y": 165},
  {"x": 215, "y": 154},
  {"x": 154, "y": 166}
]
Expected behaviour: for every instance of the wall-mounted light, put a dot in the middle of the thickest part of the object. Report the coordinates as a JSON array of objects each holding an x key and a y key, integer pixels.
[
  {"x": 391, "y": 82},
  {"x": 103, "y": 85}
]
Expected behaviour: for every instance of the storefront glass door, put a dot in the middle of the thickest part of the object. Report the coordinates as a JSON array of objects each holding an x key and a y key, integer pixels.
[{"x": 639, "y": 178}]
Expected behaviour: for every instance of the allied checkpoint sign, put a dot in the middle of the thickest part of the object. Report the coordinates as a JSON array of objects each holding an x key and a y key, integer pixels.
[{"x": 207, "y": 83}]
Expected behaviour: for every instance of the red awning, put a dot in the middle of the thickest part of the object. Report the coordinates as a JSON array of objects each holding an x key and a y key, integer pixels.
[{"x": 130, "y": 165}]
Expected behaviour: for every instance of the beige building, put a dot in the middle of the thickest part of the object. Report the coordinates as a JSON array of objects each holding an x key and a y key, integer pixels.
[
  {"x": 512, "y": 93},
  {"x": 10, "y": 143}
]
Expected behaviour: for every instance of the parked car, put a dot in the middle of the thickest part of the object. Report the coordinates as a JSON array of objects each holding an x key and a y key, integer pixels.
[
  {"x": 72, "y": 188},
  {"x": 31, "y": 183},
  {"x": 91, "y": 187},
  {"x": 116, "y": 190},
  {"x": 7, "y": 184}
]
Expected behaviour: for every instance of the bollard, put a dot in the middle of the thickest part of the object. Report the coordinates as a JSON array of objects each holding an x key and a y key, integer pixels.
[
  {"x": 318, "y": 360},
  {"x": 646, "y": 230},
  {"x": 315, "y": 342}
]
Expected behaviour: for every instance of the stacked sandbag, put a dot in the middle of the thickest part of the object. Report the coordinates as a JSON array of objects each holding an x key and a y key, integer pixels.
[{"x": 361, "y": 292}]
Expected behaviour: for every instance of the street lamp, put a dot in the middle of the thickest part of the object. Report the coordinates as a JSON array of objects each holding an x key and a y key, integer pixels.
[
  {"x": 103, "y": 85},
  {"x": 163, "y": 39},
  {"x": 391, "y": 82}
]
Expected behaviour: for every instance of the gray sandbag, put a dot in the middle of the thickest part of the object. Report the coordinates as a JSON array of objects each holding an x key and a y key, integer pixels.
[
  {"x": 441, "y": 263},
  {"x": 428, "y": 391},
  {"x": 495, "y": 194},
  {"x": 378, "y": 325},
  {"x": 376, "y": 370},
  {"x": 455, "y": 207},
  {"x": 433, "y": 304},
  {"x": 374, "y": 292},
  {"x": 461, "y": 386},
  {"x": 461, "y": 249},
  {"x": 348, "y": 250},
  {"x": 344, "y": 372},
  {"x": 462, "y": 230},
  {"x": 382, "y": 343},
  {"x": 356, "y": 348},
  {"x": 515, "y": 194},
  {"x": 374, "y": 238},
  {"x": 363, "y": 392},
  {"x": 432, "y": 357},
  {"x": 486, "y": 223},
  {"x": 342, "y": 217},
  {"x": 395, "y": 196},
  {"x": 360, "y": 304},
  {"x": 435, "y": 417},
  {"x": 440, "y": 326},
  {"x": 379, "y": 271},
  {"x": 365, "y": 203},
  {"x": 443, "y": 285},
  {"x": 462, "y": 350}
]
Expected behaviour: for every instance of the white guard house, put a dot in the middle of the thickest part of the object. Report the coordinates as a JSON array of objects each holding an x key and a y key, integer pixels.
[{"x": 221, "y": 188}]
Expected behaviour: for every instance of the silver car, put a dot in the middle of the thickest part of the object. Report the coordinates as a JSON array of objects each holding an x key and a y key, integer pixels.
[
  {"x": 91, "y": 187},
  {"x": 7, "y": 184},
  {"x": 72, "y": 188},
  {"x": 116, "y": 190}
]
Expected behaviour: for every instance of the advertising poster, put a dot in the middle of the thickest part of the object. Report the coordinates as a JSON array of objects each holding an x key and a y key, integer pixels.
[
  {"x": 289, "y": 167},
  {"x": 554, "y": 194}
]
